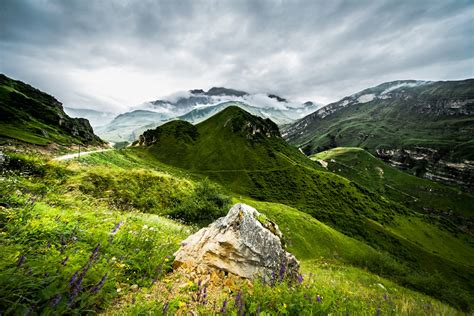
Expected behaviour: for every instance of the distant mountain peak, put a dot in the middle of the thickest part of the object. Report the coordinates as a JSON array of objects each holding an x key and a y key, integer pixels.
[
  {"x": 219, "y": 91},
  {"x": 279, "y": 99}
]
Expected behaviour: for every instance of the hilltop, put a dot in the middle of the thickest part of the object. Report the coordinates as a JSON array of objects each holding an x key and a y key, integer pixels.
[{"x": 31, "y": 116}]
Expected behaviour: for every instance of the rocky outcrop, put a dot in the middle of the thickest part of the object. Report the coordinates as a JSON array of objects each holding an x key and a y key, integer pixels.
[
  {"x": 431, "y": 164},
  {"x": 244, "y": 243},
  {"x": 33, "y": 111}
]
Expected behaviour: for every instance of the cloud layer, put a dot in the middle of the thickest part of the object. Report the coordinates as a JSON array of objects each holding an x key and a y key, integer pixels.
[{"x": 113, "y": 54}]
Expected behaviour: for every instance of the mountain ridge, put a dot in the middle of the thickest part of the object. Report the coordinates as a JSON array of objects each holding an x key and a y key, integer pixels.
[{"x": 422, "y": 127}]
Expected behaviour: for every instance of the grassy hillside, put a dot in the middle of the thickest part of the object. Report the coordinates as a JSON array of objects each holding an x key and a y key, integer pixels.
[
  {"x": 246, "y": 155},
  {"x": 422, "y": 195},
  {"x": 424, "y": 128},
  {"x": 435, "y": 115},
  {"x": 74, "y": 249},
  {"x": 31, "y": 116}
]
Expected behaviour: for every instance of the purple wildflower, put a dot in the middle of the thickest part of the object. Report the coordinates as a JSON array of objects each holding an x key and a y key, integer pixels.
[
  {"x": 300, "y": 278},
  {"x": 21, "y": 261},
  {"x": 94, "y": 253},
  {"x": 46, "y": 274},
  {"x": 56, "y": 299},
  {"x": 273, "y": 279},
  {"x": 282, "y": 271},
  {"x": 318, "y": 298},
  {"x": 116, "y": 228},
  {"x": 237, "y": 298},
  {"x": 96, "y": 288},
  {"x": 224, "y": 305},
  {"x": 73, "y": 278},
  {"x": 385, "y": 297},
  {"x": 65, "y": 260},
  {"x": 165, "y": 308}
]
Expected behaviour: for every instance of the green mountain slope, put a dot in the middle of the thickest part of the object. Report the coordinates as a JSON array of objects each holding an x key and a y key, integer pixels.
[
  {"x": 247, "y": 155},
  {"x": 32, "y": 116},
  {"x": 423, "y": 127},
  {"x": 422, "y": 195}
]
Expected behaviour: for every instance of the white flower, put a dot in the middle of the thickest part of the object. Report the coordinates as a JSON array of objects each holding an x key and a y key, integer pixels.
[{"x": 145, "y": 226}]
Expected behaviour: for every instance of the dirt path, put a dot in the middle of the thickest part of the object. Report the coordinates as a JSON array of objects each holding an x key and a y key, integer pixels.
[{"x": 77, "y": 155}]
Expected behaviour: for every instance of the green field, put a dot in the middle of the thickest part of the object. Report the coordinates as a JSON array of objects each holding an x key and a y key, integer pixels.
[{"x": 54, "y": 214}]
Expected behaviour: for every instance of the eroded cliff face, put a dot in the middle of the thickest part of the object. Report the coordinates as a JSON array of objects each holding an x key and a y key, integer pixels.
[{"x": 431, "y": 164}]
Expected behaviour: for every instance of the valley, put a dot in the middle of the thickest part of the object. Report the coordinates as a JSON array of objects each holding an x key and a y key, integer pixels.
[{"x": 97, "y": 233}]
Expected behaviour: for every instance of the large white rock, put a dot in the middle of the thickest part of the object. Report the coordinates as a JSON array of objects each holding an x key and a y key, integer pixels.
[{"x": 244, "y": 243}]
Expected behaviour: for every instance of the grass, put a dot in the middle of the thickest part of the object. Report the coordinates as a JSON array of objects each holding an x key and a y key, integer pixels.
[
  {"x": 420, "y": 194},
  {"x": 76, "y": 205}
]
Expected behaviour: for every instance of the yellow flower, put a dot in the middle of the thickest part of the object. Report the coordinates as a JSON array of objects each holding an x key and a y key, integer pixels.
[
  {"x": 284, "y": 305},
  {"x": 181, "y": 304}
]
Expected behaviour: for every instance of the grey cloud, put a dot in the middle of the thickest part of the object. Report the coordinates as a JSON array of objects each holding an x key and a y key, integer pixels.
[{"x": 300, "y": 49}]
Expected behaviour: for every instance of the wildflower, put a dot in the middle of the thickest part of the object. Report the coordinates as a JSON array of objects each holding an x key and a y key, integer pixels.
[
  {"x": 282, "y": 271},
  {"x": 284, "y": 306},
  {"x": 318, "y": 298},
  {"x": 46, "y": 274},
  {"x": 99, "y": 285},
  {"x": 65, "y": 260},
  {"x": 145, "y": 226},
  {"x": 56, "y": 299},
  {"x": 73, "y": 278},
  {"x": 224, "y": 305},
  {"x": 21, "y": 261},
  {"x": 300, "y": 278},
  {"x": 116, "y": 228},
  {"x": 237, "y": 298},
  {"x": 94, "y": 253}
]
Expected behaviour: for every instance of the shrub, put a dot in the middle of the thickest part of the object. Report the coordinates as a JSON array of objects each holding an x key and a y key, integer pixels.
[{"x": 203, "y": 206}]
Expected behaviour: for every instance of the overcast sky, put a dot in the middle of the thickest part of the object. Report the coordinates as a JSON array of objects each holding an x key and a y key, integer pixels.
[{"x": 114, "y": 54}]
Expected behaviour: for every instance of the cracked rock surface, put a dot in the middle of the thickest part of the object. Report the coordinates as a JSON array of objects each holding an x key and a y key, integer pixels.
[{"x": 244, "y": 243}]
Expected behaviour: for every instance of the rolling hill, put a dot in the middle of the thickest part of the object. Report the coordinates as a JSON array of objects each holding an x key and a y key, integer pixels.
[
  {"x": 31, "y": 116},
  {"x": 422, "y": 127},
  {"x": 247, "y": 156}
]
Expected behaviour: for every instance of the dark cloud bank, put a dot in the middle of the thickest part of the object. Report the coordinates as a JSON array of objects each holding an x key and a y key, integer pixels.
[{"x": 111, "y": 54}]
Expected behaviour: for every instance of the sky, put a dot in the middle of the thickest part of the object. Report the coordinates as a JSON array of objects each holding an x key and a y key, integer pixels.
[{"x": 110, "y": 55}]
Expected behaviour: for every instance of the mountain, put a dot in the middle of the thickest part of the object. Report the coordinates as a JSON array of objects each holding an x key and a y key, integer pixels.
[
  {"x": 422, "y": 127},
  {"x": 197, "y": 105},
  {"x": 247, "y": 155},
  {"x": 30, "y": 115},
  {"x": 95, "y": 118},
  {"x": 123, "y": 127}
]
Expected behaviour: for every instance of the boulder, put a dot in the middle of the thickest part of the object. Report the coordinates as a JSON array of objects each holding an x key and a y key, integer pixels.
[{"x": 244, "y": 243}]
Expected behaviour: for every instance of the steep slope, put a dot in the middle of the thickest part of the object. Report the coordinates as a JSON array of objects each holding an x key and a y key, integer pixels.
[
  {"x": 419, "y": 194},
  {"x": 32, "y": 116},
  {"x": 425, "y": 128}
]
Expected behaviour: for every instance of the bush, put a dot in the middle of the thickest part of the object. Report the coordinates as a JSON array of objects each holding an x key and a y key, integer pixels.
[{"x": 203, "y": 206}]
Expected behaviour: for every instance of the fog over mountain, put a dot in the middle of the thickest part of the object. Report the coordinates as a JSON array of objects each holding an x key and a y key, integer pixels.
[{"x": 111, "y": 55}]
